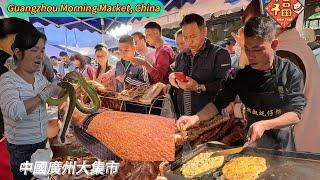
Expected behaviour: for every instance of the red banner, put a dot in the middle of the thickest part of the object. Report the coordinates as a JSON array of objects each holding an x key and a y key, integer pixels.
[{"x": 284, "y": 11}]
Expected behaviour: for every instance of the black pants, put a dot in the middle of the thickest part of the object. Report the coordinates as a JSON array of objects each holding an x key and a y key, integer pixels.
[{"x": 20, "y": 154}]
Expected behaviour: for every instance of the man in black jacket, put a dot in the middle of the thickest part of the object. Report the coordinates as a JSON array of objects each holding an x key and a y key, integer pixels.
[
  {"x": 204, "y": 64},
  {"x": 270, "y": 87}
]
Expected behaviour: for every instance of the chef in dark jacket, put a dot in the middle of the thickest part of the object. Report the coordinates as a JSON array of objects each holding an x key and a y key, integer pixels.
[
  {"x": 9, "y": 27},
  {"x": 270, "y": 87}
]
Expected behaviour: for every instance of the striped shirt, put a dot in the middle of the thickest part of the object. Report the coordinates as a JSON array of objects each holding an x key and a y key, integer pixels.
[
  {"x": 20, "y": 127},
  {"x": 187, "y": 100}
]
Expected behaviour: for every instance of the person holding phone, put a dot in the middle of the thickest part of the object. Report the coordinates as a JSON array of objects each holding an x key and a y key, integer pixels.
[
  {"x": 199, "y": 69},
  {"x": 270, "y": 87}
]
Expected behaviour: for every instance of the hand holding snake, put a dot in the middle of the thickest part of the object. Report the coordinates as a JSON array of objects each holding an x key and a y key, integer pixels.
[{"x": 69, "y": 81}]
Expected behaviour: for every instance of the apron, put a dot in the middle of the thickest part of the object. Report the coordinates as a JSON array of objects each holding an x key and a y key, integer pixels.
[{"x": 268, "y": 105}]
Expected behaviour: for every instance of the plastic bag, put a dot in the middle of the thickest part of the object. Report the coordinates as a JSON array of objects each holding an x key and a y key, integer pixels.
[
  {"x": 168, "y": 108},
  {"x": 42, "y": 155}
]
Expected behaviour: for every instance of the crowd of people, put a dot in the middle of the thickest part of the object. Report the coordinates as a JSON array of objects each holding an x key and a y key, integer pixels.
[{"x": 272, "y": 78}]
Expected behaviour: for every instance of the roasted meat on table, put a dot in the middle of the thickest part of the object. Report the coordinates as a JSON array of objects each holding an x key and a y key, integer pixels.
[
  {"x": 144, "y": 141},
  {"x": 225, "y": 130},
  {"x": 133, "y": 136}
]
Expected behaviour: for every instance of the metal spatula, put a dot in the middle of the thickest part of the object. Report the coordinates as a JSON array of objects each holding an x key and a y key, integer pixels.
[
  {"x": 232, "y": 150},
  {"x": 229, "y": 151},
  {"x": 186, "y": 147}
]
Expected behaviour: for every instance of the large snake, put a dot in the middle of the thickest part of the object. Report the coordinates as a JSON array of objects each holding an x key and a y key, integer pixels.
[{"x": 68, "y": 82}]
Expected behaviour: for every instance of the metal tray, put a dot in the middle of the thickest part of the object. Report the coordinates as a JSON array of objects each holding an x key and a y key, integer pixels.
[{"x": 280, "y": 164}]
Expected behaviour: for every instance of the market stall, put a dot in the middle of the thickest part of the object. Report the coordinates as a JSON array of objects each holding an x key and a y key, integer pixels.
[
  {"x": 278, "y": 164},
  {"x": 93, "y": 137},
  {"x": 155, "y": 148}
]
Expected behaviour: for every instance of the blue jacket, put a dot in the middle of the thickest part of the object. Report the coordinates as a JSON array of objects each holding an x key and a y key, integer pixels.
[{"x": 134, "y": 75}]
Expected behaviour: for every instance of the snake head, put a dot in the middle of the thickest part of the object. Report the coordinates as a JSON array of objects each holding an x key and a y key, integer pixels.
[{"x": 72, "y": 77}]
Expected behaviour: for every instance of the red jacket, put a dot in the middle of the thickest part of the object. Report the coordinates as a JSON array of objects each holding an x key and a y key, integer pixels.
[
  {"x": 4, "y": 161},
  {"x": 164, "y": 56}
]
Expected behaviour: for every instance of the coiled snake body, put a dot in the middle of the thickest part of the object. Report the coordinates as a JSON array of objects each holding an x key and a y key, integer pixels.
[{"x": 68, "y": 81}]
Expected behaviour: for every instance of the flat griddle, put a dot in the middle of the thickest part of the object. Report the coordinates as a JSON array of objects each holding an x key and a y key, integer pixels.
[{"x": 280, "y": 164}]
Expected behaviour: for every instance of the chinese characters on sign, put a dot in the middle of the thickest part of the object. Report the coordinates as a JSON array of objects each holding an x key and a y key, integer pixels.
[
  {"x": 44, "y": 168},
  {"x": 264, "y": 113},
  {"x": 284, "y": 11}
]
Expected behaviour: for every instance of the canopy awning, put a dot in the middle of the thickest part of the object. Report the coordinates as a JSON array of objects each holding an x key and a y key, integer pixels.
[
  {"x": 205, "y": 8},
  {"x": 101, "y": 25}
]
